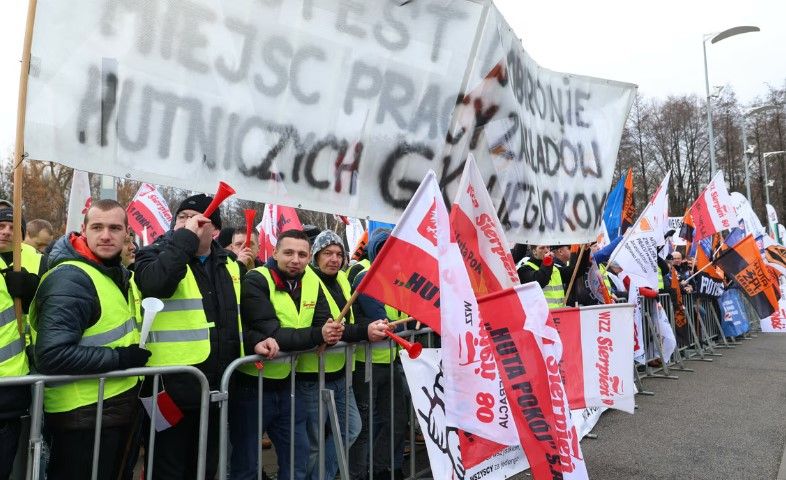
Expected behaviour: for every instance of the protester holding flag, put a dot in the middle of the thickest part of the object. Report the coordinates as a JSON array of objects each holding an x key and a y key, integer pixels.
[
  {"x": 327, "y": 259},
  {"x": 385, "y": 394},
  {"x": 199, "y": 325},
  {"x": 540, "y": 268},
  {"x": 82, "y": 322},
  {"x": 282, "y": 302}
]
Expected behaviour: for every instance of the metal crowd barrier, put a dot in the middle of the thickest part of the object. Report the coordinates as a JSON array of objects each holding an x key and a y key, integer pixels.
[
  {"x": 327, "y": 409},
  {"x": 35, "y": 442},
  {"x": 653, "y": 347}
]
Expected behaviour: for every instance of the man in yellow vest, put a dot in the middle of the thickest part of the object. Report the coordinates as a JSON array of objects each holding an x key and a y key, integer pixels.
[
  {"x": 385, "y": 395},
  {"x": 540, "y": 268},
  {"x": 281, "y": 300},
  {"x": 199, "y": 283},
  {"x": 39, "y": 234},
  {"x": 327, "y": 259},
  {"x": 82, "y": 321}
]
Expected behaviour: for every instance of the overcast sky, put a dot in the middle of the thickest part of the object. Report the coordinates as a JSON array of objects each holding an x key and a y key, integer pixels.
[{"x": 656, "y": 45}]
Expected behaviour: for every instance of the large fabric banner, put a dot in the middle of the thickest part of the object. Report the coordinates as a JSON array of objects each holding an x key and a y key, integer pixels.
[
  {"x": 734, "y": 318},
  {"x": 332, "y": 106}
]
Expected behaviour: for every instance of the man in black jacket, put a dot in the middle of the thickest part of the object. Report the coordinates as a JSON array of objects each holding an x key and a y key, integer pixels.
[
  {"x": 282, "y": 301},
  {"x": 199, "y": 284},
  {"x": 82, "y": 323}
]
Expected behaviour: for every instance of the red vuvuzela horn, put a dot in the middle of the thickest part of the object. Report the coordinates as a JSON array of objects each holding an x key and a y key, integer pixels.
[
  {"x": 412, "y": 348},
  {"x": 250, "y": 214},
  {"x": 222, "y": 193}
]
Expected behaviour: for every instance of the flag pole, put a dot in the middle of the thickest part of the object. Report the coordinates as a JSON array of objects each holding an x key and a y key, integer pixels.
[
  {"x": 19, "y": 153},
  {"x": 575, "y": 270}
]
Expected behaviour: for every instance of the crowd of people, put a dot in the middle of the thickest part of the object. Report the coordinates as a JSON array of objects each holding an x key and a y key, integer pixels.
[{"x": 81, "y": 296}]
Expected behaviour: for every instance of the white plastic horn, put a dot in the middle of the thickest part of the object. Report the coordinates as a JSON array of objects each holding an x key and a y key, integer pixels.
[{"x": 151, "y": 306}]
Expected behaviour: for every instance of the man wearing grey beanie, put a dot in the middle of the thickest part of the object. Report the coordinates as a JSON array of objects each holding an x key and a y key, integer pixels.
[{"x": 327, "y": 259}]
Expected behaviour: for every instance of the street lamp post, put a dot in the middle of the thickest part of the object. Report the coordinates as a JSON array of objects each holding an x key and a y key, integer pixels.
[
  {"x": 766, "y": 180},
  {"x": 715, "y": 38},
  {"x": 745, "y": 152}
]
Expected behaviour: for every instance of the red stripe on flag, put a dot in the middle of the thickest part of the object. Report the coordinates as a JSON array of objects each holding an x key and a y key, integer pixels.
[
  {"x": 568, "y": 322},
  {"x": 405, "y": 277},
  {"x": 480, "y": 274}
]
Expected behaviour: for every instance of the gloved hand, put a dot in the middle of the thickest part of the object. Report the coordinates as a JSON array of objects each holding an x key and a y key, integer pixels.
[
  {"x": 132, "y": 356},
  {"x": 21, "y": 284}
]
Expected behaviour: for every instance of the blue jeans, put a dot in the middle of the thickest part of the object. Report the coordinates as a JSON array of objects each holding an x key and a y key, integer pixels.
[
  {"x": 308, "y": 391},
  {"x": 243, "y": 435}
]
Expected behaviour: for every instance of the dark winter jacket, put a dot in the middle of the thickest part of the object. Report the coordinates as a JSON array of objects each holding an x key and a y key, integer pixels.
[
  {"x": 261, "y": 322},
  {"x": 66, "y": 305},
  {"x": 159, "y": 269}
]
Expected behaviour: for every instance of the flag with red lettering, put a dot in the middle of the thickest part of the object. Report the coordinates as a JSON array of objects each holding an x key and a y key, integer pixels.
[
  {"x": 597, "y": 359},
  {"x": 405, "y": 273},
  {"x": 275, "y": 219},
  {"x": 745, "y": 264},
  {"x": 775, "y": 323},
  {"x": 149, "y": 212},
  {"x": 527, "y": 348},
  {"x": 79, "y": 201},
  {"x": 713, "y": 210},
  {"x": 478, "y": 232}
]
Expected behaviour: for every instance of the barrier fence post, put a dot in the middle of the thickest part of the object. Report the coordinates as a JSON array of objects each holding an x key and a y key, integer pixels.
[
  {"x": 151, "y": 448},
  {"x": 704, "y": 332},
  {"x": 97, "y": 434},
  {"x": 36, "y": 439},
  {"x": 665, "y": 301},
  {"x": 655, "y": 336}
]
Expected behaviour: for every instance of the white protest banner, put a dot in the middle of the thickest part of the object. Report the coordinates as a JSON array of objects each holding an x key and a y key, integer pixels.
[
  {"x": 775, "y": 323},
  {"x": 327, "y": 106},
  {"x": 148, "y": 213},
  {"x": 426, "y": 385},
  {"x": 79, "y": 200},
  {"x": 675, "y": 223},
  {"x": 353, "y": 233}
]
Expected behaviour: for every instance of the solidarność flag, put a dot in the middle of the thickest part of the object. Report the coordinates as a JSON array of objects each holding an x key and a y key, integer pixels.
[
  {"x": 597, "y": 358},
  {"x": 712, "y": 211},
  {"x": 528, "y": 350},
  {"x": 405, "y": 273}
]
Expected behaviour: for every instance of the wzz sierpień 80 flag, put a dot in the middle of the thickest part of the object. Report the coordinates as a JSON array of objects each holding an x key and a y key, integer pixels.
[
  {"x": 712, "y": 211},
  {"x": 744, "y": 262}
]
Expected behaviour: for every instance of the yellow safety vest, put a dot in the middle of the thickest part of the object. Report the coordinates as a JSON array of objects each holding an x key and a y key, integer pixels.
[
  {"x": 289, "y": 316},
  {"x": 661, "y": 285},
  {"x": 604, "y": 274},
  {"x": 13, "y": 360},
  {"x": 334, "y": 361},
  {"x": 116, "y": 327},
  {"x": 31, "y": 261},
  {"x": 383, "y": 351},
  {"x": 554, "y": 292},
  {"x": 180, "y": 334}
]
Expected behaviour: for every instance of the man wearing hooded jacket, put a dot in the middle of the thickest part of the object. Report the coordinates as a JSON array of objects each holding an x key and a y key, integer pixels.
[
  {"x": 82, "y": 321},
  {"x": 327, "y": 259}
]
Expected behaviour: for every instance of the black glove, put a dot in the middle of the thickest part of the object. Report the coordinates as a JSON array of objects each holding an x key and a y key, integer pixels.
[
  {"x": 21, "y": 284},
  {"x": 132, "y": 356}
]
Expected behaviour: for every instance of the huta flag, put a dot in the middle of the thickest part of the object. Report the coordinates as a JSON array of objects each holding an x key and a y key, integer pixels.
[
  {"x": 712, "y": 211},
  {"x": 597, "y": 358},
  {"x": 744, "y": 262},
  {"x": 405, "y": 273},
  {"x": 528, "y": 351},
  {"x": 149, "y": 213},
  {"x": 479, "y": 234}
]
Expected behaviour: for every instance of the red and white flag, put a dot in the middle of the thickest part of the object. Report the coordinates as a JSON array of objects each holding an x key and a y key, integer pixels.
[
  {"x": 528, "y": 351},
  {"x": 168, "y": 414},
  {"x": 597, "y": 359},
  {"x": 275, "y": 219},
  {"x": 713, "y": 210},
  {"x": 79, "y": 200},
  {"x": 405, "y": 273},
  {"x": 776, "y": 323},
  {"x": 148, "y": 213},
  {"x": 479, "y": 234}
]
